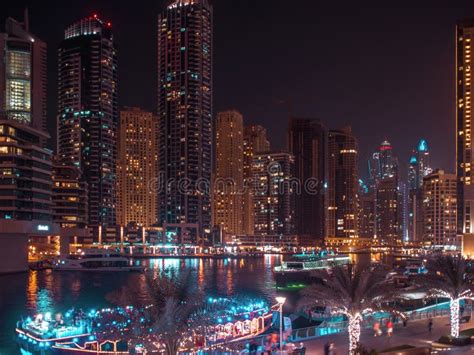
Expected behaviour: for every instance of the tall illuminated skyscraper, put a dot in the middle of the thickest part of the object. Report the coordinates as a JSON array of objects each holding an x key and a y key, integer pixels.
[
  {"x": 87, "y": 112},
  {"x": 308, "y": 143},
  {"x": 229, "y": 182},
  {"x": 342, "y": 184},
  {"x": 464, "y": 146},
  {"x": 185, "y": 112},
  {"x": 137, "y": 161}
]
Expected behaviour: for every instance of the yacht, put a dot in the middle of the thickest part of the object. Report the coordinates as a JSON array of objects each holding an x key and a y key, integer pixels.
[
  {"x": 96, "y": 260},
  {"x": 302, "y": 269}
]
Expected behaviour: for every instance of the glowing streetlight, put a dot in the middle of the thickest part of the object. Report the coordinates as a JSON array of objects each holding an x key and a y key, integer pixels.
[{"x": 281, "y": 301}]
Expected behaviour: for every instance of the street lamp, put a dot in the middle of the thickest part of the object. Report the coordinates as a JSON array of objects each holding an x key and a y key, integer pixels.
[{"x": 281, "y": 301}]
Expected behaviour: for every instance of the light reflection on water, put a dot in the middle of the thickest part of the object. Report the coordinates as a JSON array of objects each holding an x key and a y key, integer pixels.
[{"x": 40, "y": 291}]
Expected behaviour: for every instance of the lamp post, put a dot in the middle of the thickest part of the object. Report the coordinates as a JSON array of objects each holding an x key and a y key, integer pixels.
[{"x": 281, "y": 301}]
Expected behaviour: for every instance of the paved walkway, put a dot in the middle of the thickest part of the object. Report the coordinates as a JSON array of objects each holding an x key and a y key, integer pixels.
[{"x": 416, "y": 333}]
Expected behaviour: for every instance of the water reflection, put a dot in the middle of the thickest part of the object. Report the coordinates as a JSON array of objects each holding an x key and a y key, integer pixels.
[{"x": 41, "y": 291}]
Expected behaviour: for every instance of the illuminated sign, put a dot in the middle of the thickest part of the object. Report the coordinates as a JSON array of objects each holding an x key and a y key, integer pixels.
[{"x": 43, "y": 227}]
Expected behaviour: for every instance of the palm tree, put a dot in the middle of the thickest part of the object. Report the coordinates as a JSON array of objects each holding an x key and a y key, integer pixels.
[
  {"x": 174, "y": 311},
  {"x": 447, "y": 278},
  {"x": 349, "y": 291}
]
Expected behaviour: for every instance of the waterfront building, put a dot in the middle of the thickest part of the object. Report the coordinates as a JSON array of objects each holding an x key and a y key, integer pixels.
[
  {"x": 342, "y": 184},
  {"x": 25, "y": 191},
  {"x": 87, "y": 112},
  {"x": 255, "y": 142},
  {"x": 229, "y": 177},
  {"x": 273, "y": 191},
  {"x": 439, "y": 209},
  {"x": 388, "y": 215},
  {"x": 137, "y": 170},
  {"x": 464, "y": 146},
  {"x": 185, "y": 113},
  {"x": 307, "y": 140},
  {"x": 25, "y": 163},
  {"x": 69, "y": 196}
]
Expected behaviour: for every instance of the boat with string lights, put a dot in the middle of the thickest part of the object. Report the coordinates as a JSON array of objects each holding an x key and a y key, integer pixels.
[
  {"x": 109, "y": 330},
  {"x": 302, "y": 269},
  {"x": 75, "y": 332}
]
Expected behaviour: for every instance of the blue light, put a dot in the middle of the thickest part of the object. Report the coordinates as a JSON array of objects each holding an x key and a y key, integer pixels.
[
  {"x": 413, "y": 159},
  {"x": 75, "y": 340},
  {"x": 422, "y": 146},
  {"x": 91, "y": 337}
]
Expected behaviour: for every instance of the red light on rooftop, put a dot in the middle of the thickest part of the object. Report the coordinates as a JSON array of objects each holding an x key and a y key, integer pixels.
[
  {"x": 95, "y": 15},
  {"x": 109, "y": 24}
]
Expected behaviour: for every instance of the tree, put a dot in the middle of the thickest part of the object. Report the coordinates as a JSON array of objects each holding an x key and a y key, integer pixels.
[
  {"x": 447, "y": 277},
  {"x": 173, "y": 312},
  {"x": 350, "y": 291}
]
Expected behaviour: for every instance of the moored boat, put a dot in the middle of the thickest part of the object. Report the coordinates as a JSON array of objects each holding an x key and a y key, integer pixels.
[
  {"x": 95, "y": 260},
  {"x": 303, "y": 269}
]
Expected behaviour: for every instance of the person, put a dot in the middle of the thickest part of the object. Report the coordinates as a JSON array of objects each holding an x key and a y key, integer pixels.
[
  {"x": 405, "y": 321},
  {"x": 389, "y": 328},
  {"x": 332, "y": 349},
  {"x": 376, "y": 328},
  {"x": 430, "y": 325},
  {"x": 327, "y": 347}
]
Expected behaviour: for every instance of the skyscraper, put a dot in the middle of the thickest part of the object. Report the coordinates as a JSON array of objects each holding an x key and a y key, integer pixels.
[
  {"x": 87, "y": 112},
  {"x": 342, "y": 184},
  {"x": 388, "y": 162},
  {"x": 464, "y": 146},
  {"x": 185, "y": 112},
  {"x": 307, "y": 140},
  {"x": 255, "y": 142},
  {"x": 137, "y": 170},
  {"x": 25, "y": 164},
  {"x": 273, "y": 194},
  {"x": 229, "y": 181},
  {"x": 388, "y": 211},
  {"x": 418, "y": 168},
  {"x": 439, "y": 208},
  {"x": 23, "y": 75}
]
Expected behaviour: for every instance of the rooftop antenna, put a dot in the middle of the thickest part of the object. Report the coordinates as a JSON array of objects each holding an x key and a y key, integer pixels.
[{"x": 26, "y": 20}]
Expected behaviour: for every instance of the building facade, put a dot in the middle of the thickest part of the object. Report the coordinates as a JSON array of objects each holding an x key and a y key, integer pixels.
[
  {"x": 137, "y": 168},
  {"x": 464, "y": 146},
  {"x": 255, "y": 142},
  {"x": 307, "y": 140},
  {"x": 342, "y": 184},
  {"x": 388, "y": 212},
  {"x": 23, "y": 75},
  {"x": 25, "y": 164},
  {"x": 69, "y": 197},
  {"x": 87, "y": 112},
  {"x": 185, "y": 112},
  {"x": 229, "y": 177},
  {"x": 439, "y": 209},
  {"x": 273, "y": 194}
]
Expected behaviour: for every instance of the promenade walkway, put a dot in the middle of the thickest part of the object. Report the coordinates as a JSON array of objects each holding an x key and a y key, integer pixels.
[{"x": 416, "y": 334}]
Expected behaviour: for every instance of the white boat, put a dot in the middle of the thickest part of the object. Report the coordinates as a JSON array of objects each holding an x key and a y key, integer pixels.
[
  {"x": 300, "y": 269},
  {"x": 95, "y": 260}
]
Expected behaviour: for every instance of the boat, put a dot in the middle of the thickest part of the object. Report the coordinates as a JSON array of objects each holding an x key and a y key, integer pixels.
[
  {"x": 95, "y": 260},
  {"x": 302, "y": 269},
  {"x": 73, "y": 333}
]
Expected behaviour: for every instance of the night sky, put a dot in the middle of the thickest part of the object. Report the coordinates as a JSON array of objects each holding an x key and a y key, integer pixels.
[{"x": 388, "y": 72}]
